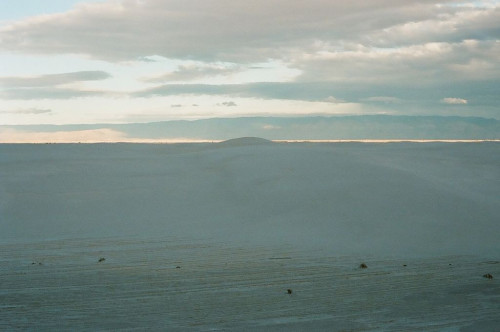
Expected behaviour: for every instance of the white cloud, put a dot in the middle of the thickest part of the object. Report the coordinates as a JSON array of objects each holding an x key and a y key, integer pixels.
[
  {"x": 451, "y": 24},
  {"x": 334, "y": 100},
  {"x": 221, "y": 29},
  {"x": 454, "y": 101},
  {"x": 415, "y": 64}
]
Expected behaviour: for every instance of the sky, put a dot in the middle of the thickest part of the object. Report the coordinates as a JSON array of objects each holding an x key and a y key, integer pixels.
[{"x": 127, "y": 61}]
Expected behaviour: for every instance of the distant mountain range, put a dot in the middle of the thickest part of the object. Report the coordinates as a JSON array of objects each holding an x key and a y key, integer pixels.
[{"x": 295, "y": 128}]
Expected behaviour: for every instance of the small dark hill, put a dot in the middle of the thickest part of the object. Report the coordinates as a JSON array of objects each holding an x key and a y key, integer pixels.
[{"x": 245, "y": 141}]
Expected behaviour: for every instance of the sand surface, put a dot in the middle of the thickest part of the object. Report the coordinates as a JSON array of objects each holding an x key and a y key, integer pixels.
[
  {"x": 211, "y": 236},
  {"x": 176, "y": 284}
]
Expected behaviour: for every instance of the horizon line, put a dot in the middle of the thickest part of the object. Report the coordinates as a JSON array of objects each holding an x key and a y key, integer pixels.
[{"x": 215, "y": 141}]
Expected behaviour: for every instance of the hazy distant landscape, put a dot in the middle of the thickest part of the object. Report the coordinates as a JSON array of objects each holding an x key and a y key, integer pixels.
[{"x": 381, "y": 127}]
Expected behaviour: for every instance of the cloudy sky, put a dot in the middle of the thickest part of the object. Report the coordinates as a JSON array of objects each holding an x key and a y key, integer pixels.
[{"x": 120, "y": 61}]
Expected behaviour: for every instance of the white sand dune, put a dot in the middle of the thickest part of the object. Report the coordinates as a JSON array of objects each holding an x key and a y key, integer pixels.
[
  {"x": 398, "y": 199},
  {"x": 245, "y": 221}
]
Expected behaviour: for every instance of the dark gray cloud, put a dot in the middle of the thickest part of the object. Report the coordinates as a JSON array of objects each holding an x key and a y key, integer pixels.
[
  {"x": 417, "y": 99},
  {"x": 49, "y": 93},
  {"x": 192, "y": 72},
  {"x": 49, "y": 86},
  {"x": 228, "y": 104},
  {"x": 52, "y": 79},
  {"x": 382, "y": 99},
  {"x": 29, "y": 111}
]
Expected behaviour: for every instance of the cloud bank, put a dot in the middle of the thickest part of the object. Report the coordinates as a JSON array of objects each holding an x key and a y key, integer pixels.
[
  {"x": 386, "y": 55},
  {"x": 238, "y": 31},
  {"x": 52, "y": 79},
  {"x": 28, "y": 111},
  {"x": 193, "y": 72}
]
